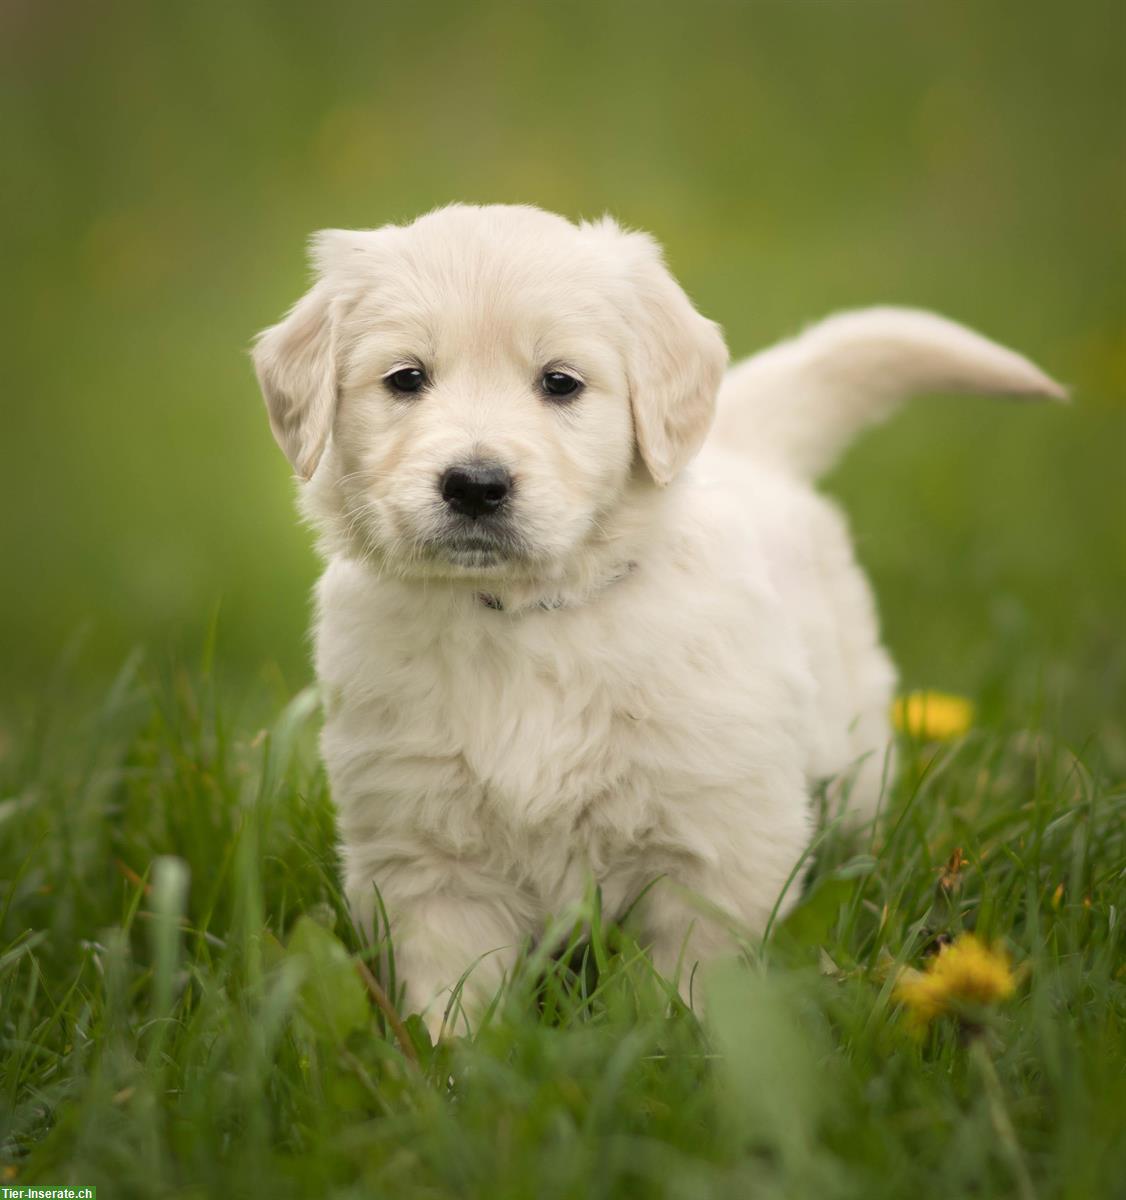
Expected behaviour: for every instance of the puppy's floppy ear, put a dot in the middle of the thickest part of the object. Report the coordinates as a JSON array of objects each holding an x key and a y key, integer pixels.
[
  {"x": 675, "y": 361},
  {"x": 296, "y": 362}
]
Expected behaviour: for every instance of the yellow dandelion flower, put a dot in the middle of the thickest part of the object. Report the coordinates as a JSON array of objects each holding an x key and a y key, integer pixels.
[
  {"x": 932, "y": 716},
  {"x": 965, "y": 972}
]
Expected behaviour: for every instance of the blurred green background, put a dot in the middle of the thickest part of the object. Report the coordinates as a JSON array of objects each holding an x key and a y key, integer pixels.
[{"x": 166, "y": 162}]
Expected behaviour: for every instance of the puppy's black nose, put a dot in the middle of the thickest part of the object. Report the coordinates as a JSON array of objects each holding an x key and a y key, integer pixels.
[{"x": 475, "y": 489}]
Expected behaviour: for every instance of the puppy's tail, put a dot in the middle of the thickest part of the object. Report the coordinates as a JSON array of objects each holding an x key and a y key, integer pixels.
[{"x": 800, "y": 403}]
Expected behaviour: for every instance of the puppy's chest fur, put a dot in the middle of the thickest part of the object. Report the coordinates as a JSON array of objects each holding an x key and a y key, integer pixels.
[{"x": 587, "y": 731}]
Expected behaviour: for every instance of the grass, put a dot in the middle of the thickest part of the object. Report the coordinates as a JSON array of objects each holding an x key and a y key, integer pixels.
[{"x": 194, "y": 1025}]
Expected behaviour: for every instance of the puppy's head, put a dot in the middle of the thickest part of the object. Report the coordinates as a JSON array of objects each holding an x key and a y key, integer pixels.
[{"x": 471, "y": 391}]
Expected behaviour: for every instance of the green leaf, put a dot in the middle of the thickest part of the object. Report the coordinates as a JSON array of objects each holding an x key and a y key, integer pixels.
[
  {"x": 331, "y": 997},
  {"x": 811, "y": 922},
  {"x": 770, "y": 1058}
]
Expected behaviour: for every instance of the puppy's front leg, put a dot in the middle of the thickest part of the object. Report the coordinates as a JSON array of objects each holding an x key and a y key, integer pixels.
[
  {"x": 684, "y": 934},
  {"x": 699, "y": 911},
  {"x": 448, "y": 923}
]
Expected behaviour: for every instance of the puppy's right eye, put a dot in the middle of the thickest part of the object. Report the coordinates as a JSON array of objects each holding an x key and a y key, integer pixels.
[{"x": 407, "y": 379}]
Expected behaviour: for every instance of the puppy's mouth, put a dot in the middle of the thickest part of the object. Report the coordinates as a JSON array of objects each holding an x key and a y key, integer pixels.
[{"x": 477, "y": 549}]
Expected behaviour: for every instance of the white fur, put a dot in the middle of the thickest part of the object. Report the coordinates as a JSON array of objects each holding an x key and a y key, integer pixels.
[{"x": 673, "y": 668}]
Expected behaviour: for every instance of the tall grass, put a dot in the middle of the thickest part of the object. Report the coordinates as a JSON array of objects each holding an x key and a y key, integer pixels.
[{"x": 181, "y": 1011}]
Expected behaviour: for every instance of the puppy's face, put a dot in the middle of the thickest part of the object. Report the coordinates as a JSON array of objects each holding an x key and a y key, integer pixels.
[
  {"x": 483, "y": 419},
  {"x": 472, "y": 390}
]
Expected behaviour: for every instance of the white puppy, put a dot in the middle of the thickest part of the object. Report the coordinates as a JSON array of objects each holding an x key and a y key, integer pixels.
[{"x": 551, "y": 650}]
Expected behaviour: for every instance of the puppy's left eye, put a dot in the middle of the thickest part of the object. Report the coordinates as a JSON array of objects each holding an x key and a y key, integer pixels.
[{"x": 560, "y": 385}]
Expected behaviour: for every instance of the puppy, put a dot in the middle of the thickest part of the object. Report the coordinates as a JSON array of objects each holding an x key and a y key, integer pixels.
[{"x": 584, "y": 616}]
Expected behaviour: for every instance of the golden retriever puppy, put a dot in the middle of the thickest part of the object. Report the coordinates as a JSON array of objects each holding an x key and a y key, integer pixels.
[{"x": 584, "y": 616}]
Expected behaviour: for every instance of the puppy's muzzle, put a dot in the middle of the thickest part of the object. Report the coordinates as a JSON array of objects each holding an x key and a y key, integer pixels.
[{"x": 475, "y": 489}]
